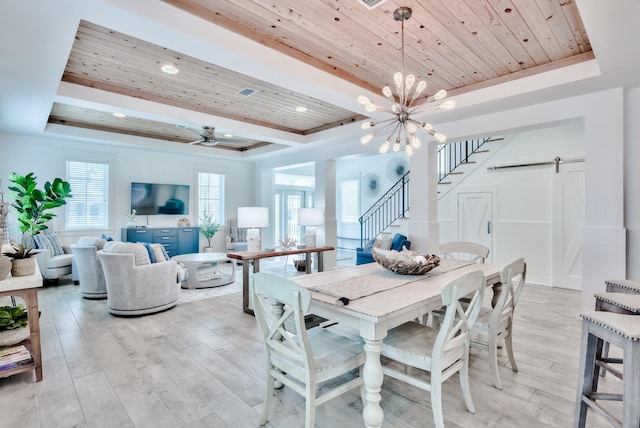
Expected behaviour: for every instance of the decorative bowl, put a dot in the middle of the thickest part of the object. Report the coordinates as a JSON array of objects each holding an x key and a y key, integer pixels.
[{"x": 405, "y": 262}]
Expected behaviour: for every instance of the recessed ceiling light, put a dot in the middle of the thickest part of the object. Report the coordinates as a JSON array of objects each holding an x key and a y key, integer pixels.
[
  {"x": 228, "y": 135},
  {"x": 120, "y": 115},
  {"x": 301, "y": 109},
  {"x": 169, "y": 69}
]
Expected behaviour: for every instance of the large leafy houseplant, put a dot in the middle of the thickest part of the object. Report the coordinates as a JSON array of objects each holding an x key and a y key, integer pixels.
[{"x": 33, "y": 205}]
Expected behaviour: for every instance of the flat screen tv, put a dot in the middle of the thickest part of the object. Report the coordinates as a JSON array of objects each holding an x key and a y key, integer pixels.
[{"x": 155, "y": 198}]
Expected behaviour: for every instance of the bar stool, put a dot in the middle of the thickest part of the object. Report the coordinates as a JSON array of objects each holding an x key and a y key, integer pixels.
[
  {"x": 623, "y": 286},
  {"x": 621, "y": 330}
]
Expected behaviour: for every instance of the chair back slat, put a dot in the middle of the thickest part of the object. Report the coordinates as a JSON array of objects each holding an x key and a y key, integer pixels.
[
  {"x": 512, "y": 277},
  {"x": 452, "y": 341},
  {"x": 464, "y": 251}
]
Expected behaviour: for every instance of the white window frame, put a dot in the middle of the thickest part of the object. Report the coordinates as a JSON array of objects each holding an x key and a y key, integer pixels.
[
  {"x": 87, "y": 200},
  {"x": 204, "y": 199}
]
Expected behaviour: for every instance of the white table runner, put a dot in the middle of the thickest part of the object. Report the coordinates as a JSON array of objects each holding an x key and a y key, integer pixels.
[{"x": 346, "y": 290}]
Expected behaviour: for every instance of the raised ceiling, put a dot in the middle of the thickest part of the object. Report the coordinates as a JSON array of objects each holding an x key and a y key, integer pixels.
[{"x": 458, "y": 45}]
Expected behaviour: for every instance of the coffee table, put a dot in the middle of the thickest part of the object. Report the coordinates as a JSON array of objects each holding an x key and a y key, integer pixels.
[{"x": 198, "y": 276}]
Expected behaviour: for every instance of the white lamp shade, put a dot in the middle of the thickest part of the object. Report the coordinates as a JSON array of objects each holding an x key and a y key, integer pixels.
[
  {"x": 310, "y": 216},
  {"x": 253, "y": 216}
]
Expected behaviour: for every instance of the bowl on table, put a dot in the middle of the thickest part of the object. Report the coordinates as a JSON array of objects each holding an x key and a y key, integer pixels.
[{"x": 405, "y": 262}]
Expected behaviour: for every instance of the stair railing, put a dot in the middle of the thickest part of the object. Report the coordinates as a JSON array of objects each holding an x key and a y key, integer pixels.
[
  {"x": 452, "y": 155},
  {"x": 391, "y": 206}
]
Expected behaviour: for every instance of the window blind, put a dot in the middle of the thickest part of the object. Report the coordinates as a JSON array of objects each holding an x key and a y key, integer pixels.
[{"x": 89, "y": 206}]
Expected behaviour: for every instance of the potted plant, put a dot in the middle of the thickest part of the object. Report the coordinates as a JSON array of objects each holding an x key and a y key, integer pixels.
[
  {"x": 21, "y": 262},
  {"x": 14, "y": 325},
  {"x": 32, "y": 205},
  {"x": 208, "y": 227}
]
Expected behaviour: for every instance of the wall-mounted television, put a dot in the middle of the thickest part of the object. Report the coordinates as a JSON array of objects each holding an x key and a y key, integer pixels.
[{"x": 156, "y": 198}]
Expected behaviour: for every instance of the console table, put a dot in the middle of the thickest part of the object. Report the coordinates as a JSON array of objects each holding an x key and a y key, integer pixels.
[
  {"x": 176, "y": 240},
  {"x": 26, "y": 287},
  {"x": 247, "y": 258}
]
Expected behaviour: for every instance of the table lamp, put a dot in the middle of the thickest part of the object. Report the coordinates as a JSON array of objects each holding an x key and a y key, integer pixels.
[
  {"x": 253, "y": 218},
  {"x": 310, "y": 218}
]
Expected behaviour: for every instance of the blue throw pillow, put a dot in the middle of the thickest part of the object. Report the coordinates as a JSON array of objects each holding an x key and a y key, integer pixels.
[
  {"x": 398, "y": 241},
  {"x": 367, "y": 248},
  {"x": 147, "y": 246},
  {"x": 106, "y": 238}
]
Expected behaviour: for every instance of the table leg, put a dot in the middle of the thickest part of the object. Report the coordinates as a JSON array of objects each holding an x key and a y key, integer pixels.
[
  {"x": 372, "y": 373},
  {"x": 320, "y": 261},
  {"x": 245, "y": 287},
  {"x": 308, "y": 263},
  {"x": 497, "y": 290},
  {"x": 33, "y": 316}
]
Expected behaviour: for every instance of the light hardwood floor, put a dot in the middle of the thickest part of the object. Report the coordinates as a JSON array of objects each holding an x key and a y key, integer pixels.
[{"x": 200, "y": 364}]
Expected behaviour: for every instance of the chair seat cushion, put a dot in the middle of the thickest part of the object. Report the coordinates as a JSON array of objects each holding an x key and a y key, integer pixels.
[
  {"x": 60, "y": 261},
  {"x": 625, "y": 325}
]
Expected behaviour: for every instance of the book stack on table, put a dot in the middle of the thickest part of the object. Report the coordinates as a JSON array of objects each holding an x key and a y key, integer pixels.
[{"x": 15, "y": 356}]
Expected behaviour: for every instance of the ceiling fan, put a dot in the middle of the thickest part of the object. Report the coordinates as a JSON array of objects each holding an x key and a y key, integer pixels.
[{"x": 208, "y": 137}]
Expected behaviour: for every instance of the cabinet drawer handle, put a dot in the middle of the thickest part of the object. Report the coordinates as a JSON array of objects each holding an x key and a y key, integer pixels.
[
  {"x": 141, "y": 231},
  {"x": 166, "y": 237}
]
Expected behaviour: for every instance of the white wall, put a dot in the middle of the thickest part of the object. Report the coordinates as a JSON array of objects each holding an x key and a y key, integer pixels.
[
  {"x": 46, "y": 158},
  {"x": 522, "y": 217},
  {"x": 632, "y": 181}
]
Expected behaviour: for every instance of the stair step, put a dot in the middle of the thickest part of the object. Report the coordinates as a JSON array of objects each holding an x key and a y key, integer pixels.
[
  {"x": 466, "y": 163},
  {"x": 456, "y": 173},
  {"x": 444, "y": 182},
  {"x": 481, "y": 151}
]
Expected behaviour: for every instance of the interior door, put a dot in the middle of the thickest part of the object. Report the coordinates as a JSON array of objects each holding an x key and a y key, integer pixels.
[
  {"x": 475, "y": 219},
  {"x": 568, "y": 222},
  {"x": 292, "y": 201}
]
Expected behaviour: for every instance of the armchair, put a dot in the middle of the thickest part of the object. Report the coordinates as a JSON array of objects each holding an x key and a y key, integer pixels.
[
  {"x": 90, "y": 273},
  {"x": 135, "y": 286},
  {"x": 54, "y": 260},
  {"x": 398, "y": 242}
]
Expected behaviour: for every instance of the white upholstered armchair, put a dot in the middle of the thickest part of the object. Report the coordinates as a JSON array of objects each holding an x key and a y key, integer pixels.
[{"x": 135, "y": 286}]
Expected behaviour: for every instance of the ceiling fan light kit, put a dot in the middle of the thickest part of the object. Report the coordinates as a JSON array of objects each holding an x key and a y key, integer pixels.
[{"x": 403, "y": 106}]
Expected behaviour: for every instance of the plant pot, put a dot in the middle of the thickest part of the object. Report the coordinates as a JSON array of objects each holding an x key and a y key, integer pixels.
[
  {"x": 208, "y": 250},
  {"x": 23, "y": 267},
  {"x": 301, "y": 265},
  {"x": 12, "y": 337},
  {"x": 5, "y": 267}
]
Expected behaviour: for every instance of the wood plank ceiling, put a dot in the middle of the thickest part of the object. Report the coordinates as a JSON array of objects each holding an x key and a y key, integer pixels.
[{"x": 457, "y": 45}]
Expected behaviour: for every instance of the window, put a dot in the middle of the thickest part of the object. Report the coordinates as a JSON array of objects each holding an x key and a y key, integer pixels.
[
  {"x": 89, "y": 206},
  {"x": 211, "y": 195},
  {"x": 349, "y": 197}
]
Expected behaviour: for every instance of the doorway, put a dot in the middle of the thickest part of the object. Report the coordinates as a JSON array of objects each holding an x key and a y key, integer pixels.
[{"x": 475, "y": 219}]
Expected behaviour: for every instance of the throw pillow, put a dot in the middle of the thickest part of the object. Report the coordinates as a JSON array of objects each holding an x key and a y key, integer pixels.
[
  {"x": 140, "y": 253},
  {"x": 49, "y": 242},
  {"x": 369, "y": 245},
  {"x": 106, "y": 238},
  {"x": 88, "y": 241},
  {"x": 383, "y": 243},
  {"x": 150, "y": 252},
  {"x": 158, "y": 253}
]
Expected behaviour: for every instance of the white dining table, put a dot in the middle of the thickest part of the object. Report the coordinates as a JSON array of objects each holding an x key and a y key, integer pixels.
[{"x": 374, "y": 315}]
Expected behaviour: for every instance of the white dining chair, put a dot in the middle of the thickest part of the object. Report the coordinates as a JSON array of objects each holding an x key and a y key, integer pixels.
[
  {"x": 301, "y": 359},
  {"x": 494, "y": 326},
  {"x": 442, "y": 352},
  {"x": 464, "y": 251}
]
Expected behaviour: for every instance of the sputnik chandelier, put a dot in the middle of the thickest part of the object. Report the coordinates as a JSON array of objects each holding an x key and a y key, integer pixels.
[{"x": 403, "y": 105}]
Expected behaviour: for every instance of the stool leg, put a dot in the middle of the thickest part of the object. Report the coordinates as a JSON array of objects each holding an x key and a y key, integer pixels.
[
  {"x": 588, "y": 374},
  {"x": 631, "y": 388}
]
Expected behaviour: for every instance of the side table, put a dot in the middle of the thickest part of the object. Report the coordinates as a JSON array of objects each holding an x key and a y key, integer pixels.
[
  {"x": 194, "y": 261},
  {"x": 26, "y": 287}
]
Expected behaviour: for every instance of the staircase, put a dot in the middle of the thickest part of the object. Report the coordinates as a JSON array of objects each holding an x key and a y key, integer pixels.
[{"x": 394, "y": 205}]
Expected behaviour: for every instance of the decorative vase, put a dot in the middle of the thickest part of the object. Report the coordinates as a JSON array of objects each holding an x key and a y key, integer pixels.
[
  {"x": 5, "y": 267},
  {"x": 23, "y": 267},
  {"x": 12, "y": 337},
  {"x": 131, "y": 223}
]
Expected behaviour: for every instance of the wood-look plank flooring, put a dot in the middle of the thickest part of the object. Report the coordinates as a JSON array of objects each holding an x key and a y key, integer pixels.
[{"x": 201, "y": 364}]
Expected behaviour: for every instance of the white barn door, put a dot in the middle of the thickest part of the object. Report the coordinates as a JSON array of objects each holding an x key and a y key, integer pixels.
[
  {"x": 475, "y": 218},
  {"x": 568, "y": 222}
]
